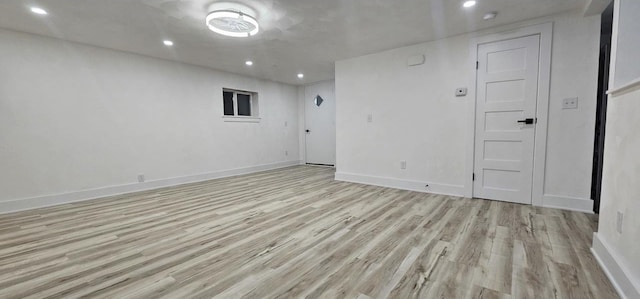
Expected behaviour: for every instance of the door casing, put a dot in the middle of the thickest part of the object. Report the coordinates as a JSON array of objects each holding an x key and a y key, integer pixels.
[
  {"x": 542, "y": 110},
  {"x": 326, "y": 90}
]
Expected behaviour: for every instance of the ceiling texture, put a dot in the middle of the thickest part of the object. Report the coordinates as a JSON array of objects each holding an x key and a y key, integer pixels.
[{"x": 296, "y": 36}]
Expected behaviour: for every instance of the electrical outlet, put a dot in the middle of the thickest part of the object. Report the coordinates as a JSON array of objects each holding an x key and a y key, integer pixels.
[
  {"x": 370, "y": 118},
  {"x": 619, "y": 222},
  {"x": 403, "y": 164},
  {"x": 141, "y": 178},
  {"x": 570, "y": 103}
]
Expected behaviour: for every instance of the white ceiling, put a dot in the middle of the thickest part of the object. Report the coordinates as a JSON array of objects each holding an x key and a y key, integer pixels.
[{"x": 297, "y": 35}]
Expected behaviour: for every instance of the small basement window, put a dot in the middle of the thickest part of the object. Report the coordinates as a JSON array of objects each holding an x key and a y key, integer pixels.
[{"x": 240, "y": 105}]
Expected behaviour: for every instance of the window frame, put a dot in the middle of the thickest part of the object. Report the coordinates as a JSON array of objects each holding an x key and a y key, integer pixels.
[{"x": 253, "y": 106}]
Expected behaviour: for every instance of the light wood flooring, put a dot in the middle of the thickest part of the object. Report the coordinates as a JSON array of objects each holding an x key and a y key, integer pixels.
[{"x": 293, "y": 233}]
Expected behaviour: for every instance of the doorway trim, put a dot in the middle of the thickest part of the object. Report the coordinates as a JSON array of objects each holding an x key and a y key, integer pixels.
[
  {"x": 545, "y": 31},
  {"x": 303, "y": 125}
]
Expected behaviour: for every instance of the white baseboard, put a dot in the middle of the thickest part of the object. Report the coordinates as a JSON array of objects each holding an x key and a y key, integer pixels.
[
  {"x": 436, "y": 188},
  {"x": 58, "y": 199},
  {"x": 584, "y": 205},
  {"x": 614, "y": 269}
]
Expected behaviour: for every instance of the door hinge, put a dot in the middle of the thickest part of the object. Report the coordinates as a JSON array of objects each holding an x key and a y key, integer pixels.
[
  {"x": 473, "y": 176},
  {"x": 477, "y": 65}
]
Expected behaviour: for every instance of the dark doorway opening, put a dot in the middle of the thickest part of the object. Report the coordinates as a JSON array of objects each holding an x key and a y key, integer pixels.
[{"x": 601, "y": 108}]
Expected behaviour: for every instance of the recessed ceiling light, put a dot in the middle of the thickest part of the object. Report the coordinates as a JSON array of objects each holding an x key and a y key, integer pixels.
[
  {"x": 300, "y": 76},
  {"x": 167, "y": 43},
  {"x": 38, "y": 10},
  {"x": 469, "y": 3},
  {"x": 490, "y": 15},
  {"x": 248, "y": 62},
  {"x": 232, "y": 23}
]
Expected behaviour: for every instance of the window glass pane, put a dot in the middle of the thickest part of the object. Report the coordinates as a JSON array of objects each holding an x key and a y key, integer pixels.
[
  {"x": 228, "y": 102},
  {"x": 244, "y": 104}
]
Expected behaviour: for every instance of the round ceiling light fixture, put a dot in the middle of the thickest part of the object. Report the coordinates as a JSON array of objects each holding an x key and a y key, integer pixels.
[
  {"x": 39, "y": 11},
  {"x": 232, "y": 23},
  {"x": 469, "y": 3}
]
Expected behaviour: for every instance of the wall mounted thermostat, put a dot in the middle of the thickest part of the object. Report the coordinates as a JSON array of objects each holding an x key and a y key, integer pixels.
[{"x": 461, "y": 92}]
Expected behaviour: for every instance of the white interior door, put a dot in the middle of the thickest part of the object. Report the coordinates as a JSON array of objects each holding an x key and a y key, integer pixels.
[
  {"x": 320, "y": 118},
  {"x": 507, "y": 80}
]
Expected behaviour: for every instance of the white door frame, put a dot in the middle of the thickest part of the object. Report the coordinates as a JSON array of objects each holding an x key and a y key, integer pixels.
[
  {"x": 542, "y": 110},
  {"x": 302, "y": 112}
]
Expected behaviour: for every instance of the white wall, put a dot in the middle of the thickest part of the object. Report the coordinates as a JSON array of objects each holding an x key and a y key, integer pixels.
[
  {"x": 417, "y": 118},
  {"x": 627, "y": 67},
  {"x": 620, "y": 187},
  {"x": 75, "y": 117},
  {"x": 617, "y": 252}
]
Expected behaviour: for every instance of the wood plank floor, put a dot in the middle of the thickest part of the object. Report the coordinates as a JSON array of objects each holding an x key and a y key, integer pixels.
[{"x": 293, "y": 233}]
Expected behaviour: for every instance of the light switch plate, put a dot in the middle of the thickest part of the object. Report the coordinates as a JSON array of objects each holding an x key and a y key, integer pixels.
[
  {"x": 461, "y": 92},
  {"x": 570, "y": 103},
  {"x": 369, "y": 117}
]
